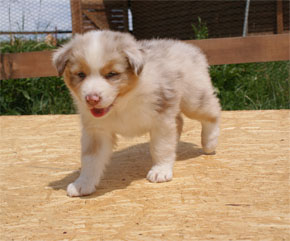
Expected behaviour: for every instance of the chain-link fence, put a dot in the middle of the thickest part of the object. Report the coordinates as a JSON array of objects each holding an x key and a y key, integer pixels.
[
  {"x": 164, "y": 19},
  {"x": 178, "y": 18},
  {"x": 34, "y": 19}
]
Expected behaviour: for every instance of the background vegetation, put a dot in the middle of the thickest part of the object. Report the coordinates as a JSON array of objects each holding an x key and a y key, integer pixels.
[
  {"x": 45, "y": 95},
  {"x": 252, "y": 86},
  {"x": 255, "y": 86}
]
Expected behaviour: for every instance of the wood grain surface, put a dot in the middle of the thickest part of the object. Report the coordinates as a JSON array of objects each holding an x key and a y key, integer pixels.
[{"x": 241, "y": 193}]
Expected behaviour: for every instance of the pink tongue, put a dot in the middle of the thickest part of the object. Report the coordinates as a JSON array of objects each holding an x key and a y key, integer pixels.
[{"x": 98, "y": 112}]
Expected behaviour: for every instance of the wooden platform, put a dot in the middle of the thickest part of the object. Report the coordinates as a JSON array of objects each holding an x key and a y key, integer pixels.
[{"x": 241, "y": 193}]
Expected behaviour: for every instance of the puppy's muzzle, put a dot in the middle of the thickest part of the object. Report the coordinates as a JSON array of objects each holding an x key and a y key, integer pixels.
[{"x": 93, "y": 99}]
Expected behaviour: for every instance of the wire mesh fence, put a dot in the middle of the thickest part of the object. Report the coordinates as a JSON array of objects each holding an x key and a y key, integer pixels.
[
  {"x": 34, "y": 19},
  {"x": 174, "y": 18},
  {"x": 145, "y": 19}
]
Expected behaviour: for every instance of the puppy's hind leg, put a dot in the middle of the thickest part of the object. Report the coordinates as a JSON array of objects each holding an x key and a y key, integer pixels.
[
  {"x": 163, "y": 150},
  {"x": 209, "y": 135},
  {"x": 207, "y": 111}
]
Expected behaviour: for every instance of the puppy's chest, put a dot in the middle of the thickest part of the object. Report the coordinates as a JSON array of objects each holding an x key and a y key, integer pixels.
[{"x": 132, "y": 122}]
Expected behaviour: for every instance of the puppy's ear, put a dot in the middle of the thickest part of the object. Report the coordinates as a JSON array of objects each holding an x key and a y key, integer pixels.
[
  {"x": 132, "y": 51},
  {"x": 135, "y": 58},
  {"x": 61, "y": 57}
]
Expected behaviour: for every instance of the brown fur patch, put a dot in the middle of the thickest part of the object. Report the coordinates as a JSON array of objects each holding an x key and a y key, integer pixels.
[
  {"x": 128, "y": 83},
  {"x": 71, "y": 78},
  {"x": 127, "y": 78},
  {"x": 82, "y": 66},
  {"x": 109, "y": 67}
]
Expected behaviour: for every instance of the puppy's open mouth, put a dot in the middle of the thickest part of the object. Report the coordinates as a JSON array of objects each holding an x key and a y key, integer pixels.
[{"x": 99, "y": 112}]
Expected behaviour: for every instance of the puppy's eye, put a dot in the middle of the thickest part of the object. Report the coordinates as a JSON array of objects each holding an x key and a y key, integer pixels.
[
  {"x": 111, "y": 75},
  {"x": 82, "y": 75}
]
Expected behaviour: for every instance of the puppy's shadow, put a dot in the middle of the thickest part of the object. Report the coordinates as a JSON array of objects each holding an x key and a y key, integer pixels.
[{"x": 127, "y": 165}]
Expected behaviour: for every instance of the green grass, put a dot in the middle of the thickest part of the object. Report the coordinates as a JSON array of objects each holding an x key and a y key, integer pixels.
[
  {"x": 45, "y": 95},
  {"x": 254, "y": 86}
]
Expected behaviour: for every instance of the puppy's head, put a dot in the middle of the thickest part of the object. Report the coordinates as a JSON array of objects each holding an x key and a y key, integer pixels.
[{"x": 99, "y": 67}]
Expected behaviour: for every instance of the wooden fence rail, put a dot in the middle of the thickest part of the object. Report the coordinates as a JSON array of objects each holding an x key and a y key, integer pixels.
[{"x": 219, "y": 51}]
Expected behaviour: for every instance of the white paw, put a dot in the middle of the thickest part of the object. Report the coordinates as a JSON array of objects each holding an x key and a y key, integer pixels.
[
  {"x": 209, "y": 138},
  {"x": 209, "y": 147},
  {"x": 80, "y": 188},
  {"x": 160, "y": 174}
]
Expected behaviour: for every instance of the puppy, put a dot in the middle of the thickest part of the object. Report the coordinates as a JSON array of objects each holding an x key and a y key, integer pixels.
[{"x": 128, "y": 87}]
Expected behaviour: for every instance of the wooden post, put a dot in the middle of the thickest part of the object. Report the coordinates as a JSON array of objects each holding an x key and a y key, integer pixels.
[
  {"x": 279, "y": 12},
  {"x": 76, "y": 16}
]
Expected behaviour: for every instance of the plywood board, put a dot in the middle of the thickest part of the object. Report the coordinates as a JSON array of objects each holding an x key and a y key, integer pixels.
[{"x": 241, "y": 193}]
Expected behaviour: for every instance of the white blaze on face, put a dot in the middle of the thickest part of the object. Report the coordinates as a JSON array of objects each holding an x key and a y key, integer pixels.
[
  {"x": 92, "y": 50},
  {"x": 95, "y": 83}
]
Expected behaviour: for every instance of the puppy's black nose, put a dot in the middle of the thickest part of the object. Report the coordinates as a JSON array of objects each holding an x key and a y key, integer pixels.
[{"x": 93, "y": 99}]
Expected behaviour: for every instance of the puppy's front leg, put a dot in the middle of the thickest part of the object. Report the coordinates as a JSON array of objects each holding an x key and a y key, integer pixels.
[
  {"x": 163, "y": 151},
  {"x": 96, "y": 153}
]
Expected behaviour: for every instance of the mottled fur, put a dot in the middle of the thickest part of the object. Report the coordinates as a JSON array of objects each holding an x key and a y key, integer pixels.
[{"x": 144, "y": 86}]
